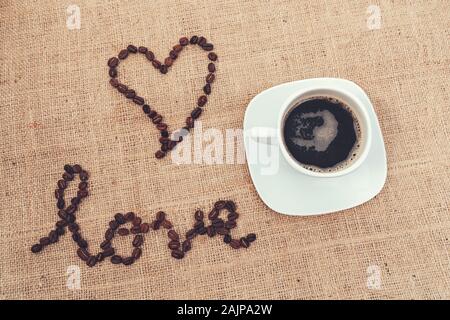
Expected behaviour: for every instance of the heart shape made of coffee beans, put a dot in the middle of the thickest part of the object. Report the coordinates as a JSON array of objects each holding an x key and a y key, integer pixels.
[{"x": 167, "y": 143}]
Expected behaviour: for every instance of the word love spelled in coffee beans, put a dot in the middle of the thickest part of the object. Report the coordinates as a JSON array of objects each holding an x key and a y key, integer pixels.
[
  {"x": 167, "y": 142},
  {"x": 178, "y": 247}
]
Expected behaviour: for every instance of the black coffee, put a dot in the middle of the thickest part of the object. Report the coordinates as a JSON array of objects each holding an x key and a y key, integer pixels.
[{"x": 322, "y": 134}]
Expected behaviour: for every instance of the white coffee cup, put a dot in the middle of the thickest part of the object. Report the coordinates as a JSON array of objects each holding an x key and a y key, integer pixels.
[{"x": 357, "y": 109}]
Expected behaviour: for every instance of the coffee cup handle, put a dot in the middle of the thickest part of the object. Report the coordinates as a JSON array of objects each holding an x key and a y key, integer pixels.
[{"x": 265, "y": 135}]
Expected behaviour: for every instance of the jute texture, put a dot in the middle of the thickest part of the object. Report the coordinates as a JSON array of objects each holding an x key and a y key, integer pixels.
[{"x": 57, "y": 107}]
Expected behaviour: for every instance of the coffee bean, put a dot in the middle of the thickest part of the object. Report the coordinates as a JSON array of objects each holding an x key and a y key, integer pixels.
[
  {"x": 53, "y": 236},
  {"x": 157, "y": 119},
  {"x": 214, "y": 213},
  {"x": 132, "y": 49},
  {"x": 109, "y": 234},
  {"x": 113, "y": 224},
  {"x": 143, "y": 50},
  {"x": 137, "y": 221},
  {"x": 138, "y": 240},
  {"x": 68, "y": 169},
  {"x": 211, "y": 231},
  {"x": 230, "y": 206},
  {"x": 227, "y": 238},
  {"x": 219, "y": 205},
  {"x": 146, "y": 108},
  {"x": 70, "y": 218},
  {"x": 251, "y": 237},
  {"x": 122, "y": 88},
  {"x": 36, "y": 248},
  {"x": 159, "y": 154},
  {"x": 210, "y": 78},
  {"x": 82, "y": 243},
  {"x": 156, "y": 64},
  {"x": 62, "y": 214},
  {"x": 113, "y": 62},
  {"x": 73, "y": 227},
  {"x": 130, "y": 94},
  {"x": 83, "y": 254},
  {"x": 145, "y": 228},
  {"x": 164, "y": 140},
  {"x": 173, "y": 54},
  {"x": 201, "y": 41},
  {"x": 120, "y": 218},
  {"x": 155, "y": 225},
  {"x": 202, "y": 231},
  {"x": 165, "y": 133},
  {"x": 191, "y": 234},
  {"x": 76, "y": 168},
  {"x": 76, "y": 237},
  {"x": 244, "y": 242},
  {"x": 123, "y": 232},
  {"x": 161, "y": 126},
  {"x": 173, "y": 235},
  {"x": 138, "y": 100},
  {"x": 222, "y": 231},
  {"x": 75, "y": 201},
  {"x": 208, "y": 47},
  {"x": 160, "y": 216},
  {"x": 60, "y": 204},
  {"x": 60, "y": 231},
  {"x": 67, "y": 176},
  {"x": 177, "y": 48},
  {"x": 167, "y": 224},
  {"x": 136, "y": 254},
  {"x": 116, "y": 259},
  {"x": 108, "y": 252},
  {"x": 100, "y": 257},
  {"x": 71, "y": 209},
  {"x": 198, "y": 225},
  {"x": 84, "y": 176},
  {"x": 211, "y": 67},
  {"x": 194, "y": 40},
  {"x": 168, "y": 61},
  {"x": 207, "y": 89},
  {"x": 105, "y": 244},
  {"x": 150, "y": 56},
  {"x": 218, "y": 223},
  {"x": 174, "y": 244},
  {"x": 123, "y": 54},
  {"x": 233, "y": 216},
  {"x": 128, "y": 261},
  {"x": 213, "y": 57},
  {"x": 114, "y": 82},
  {"x": 163, "y": 69},
  {"x": 45, "y": 241},
  {"x": 62, "y": 184},
  {"x": 235, "y": 244},
  {"x": 198, "y": 215},
  {"x": 59, "y": 193},
  {"x": 184, "y": 41},
  {"x": 112, "y": 72},
  {"x": 189, "y": 122},
  {"x": 202, "y": 101},
  {"x": 61, "y": 224},
  {"x": 230, "y": 224},
  {"x": 177, "y": 254},
  {"x": 195, "y": 114},
  {"x": 129, "y": 216},
  {"x": 83, "y": 185},
  {"x": 82, "y": 193},
  {"x": 186, "y": 246},
  {"x": 135, "y": 229}
]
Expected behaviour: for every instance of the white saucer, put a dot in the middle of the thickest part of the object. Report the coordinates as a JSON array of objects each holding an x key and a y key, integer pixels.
[{"x": 293, "y": 193}]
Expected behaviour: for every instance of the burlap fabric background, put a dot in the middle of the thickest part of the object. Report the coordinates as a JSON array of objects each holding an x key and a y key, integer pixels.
[{"x": 57, "y": 107}]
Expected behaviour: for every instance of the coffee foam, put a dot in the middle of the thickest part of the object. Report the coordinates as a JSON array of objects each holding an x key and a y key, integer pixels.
[{"x": 325, "y": 134}]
